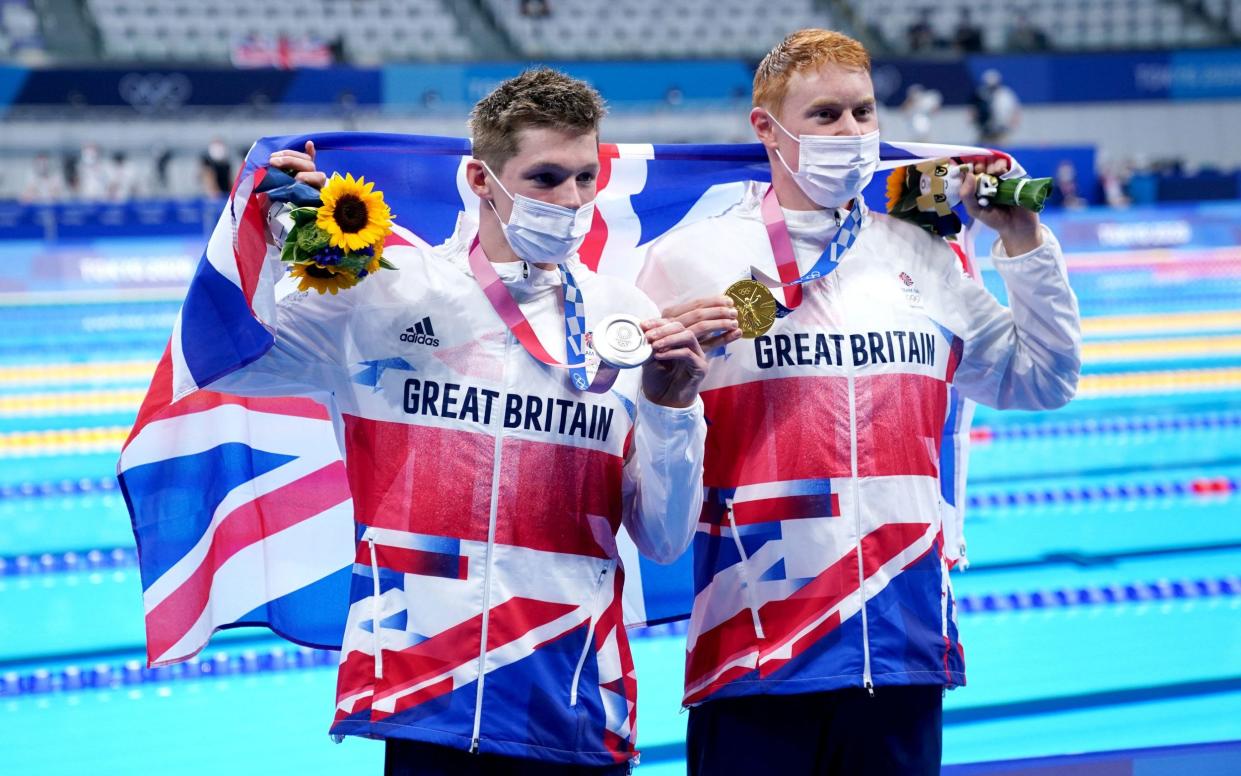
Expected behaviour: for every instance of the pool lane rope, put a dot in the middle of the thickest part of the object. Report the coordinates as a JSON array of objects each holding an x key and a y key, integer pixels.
[
  {"x": 1198, "y": 486},
  {"x": 1058, "y": 429},
  {"x": 277, "y": 659}
]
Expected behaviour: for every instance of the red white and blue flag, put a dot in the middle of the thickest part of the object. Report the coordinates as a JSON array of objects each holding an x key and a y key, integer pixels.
[{"x": 240, "y": 506}]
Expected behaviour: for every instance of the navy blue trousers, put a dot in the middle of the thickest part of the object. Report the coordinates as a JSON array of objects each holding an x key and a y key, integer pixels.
[
  {"x": 417, "y": 758},
  {"x": 898, "y": 732}
]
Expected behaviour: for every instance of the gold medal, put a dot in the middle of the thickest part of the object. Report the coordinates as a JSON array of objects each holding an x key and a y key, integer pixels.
[{"x": 756, "y": 307}]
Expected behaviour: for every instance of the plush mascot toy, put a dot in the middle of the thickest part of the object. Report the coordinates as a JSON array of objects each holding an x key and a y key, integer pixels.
[{"x": 927, "y": 193}]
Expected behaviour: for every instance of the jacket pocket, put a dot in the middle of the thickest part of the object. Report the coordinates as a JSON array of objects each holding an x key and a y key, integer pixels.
[{"x": 596, "y": 604}]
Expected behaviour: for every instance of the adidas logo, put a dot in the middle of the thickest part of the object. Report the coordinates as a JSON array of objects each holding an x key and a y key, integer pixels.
[{"x": 421, "y": 333}]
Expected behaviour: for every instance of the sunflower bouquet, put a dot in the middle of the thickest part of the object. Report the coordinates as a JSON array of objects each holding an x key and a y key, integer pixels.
[{"x": 335, "y": 245}]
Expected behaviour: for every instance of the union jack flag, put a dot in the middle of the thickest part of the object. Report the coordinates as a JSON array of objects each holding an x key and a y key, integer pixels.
[{"x": 240, "y": 506}]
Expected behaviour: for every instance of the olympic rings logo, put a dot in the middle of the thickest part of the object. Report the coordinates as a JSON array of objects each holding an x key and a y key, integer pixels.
[{"x": 152, "y": 92}]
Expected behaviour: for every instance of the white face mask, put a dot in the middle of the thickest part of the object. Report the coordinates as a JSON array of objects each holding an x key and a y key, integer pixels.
[
  {"x": 833, "y": 169},
  {"x": 540, "y": 232}
]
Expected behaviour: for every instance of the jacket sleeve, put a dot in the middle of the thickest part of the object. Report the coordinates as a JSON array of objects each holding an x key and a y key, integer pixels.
[
  {"x": 1026, "y": 356},
  {"x": 309, "y": 329},
  {"x": 671, "y": 273},
  {"x": 657, "y": 280},
  {"x": 662, "y": 481}
]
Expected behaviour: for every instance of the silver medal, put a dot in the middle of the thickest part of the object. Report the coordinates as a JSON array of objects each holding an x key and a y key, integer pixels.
[{"x": 620, "y": 341}]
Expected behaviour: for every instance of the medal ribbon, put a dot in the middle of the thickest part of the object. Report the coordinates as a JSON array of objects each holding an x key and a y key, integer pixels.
[
  {"x": 786, "y": 260},
  {"x": 506, "y": 307}
]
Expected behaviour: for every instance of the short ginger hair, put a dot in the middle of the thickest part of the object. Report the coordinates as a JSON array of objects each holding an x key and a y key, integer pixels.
[
  {"x": 804, "y": 50},
  {"x": 540, "y": 97}
]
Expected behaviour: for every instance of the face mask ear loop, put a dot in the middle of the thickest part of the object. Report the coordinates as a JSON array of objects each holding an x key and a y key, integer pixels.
[
  {"x": 780, "y": 156},
  {"x": 496, "y": 178},
  {"x": 492, "y": 205},
  {"x": 796, "y": 140}
]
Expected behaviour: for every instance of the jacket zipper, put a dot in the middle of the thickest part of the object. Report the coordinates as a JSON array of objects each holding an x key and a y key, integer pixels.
[
  {"x": 590, "y": 632},
  {"x": 857, "y": 520},
  {"x": 746, "y": 572},
  {"x": 491, "y": 539},
  {"x": 369, "y": 536}
]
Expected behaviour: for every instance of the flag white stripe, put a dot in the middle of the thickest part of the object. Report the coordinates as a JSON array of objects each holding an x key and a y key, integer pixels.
[
  {"x": 198, "y": 432},
  {"x": 248, "y": 491},
  {"x": 285, "y": 562},
  {"x": 635, "y": 150},
  {"x": 222, "y": 247},
  {"x": 182, "y": 380}
]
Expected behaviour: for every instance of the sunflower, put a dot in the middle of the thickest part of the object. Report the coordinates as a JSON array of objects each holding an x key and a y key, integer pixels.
[
  {"x": 896, "y": 188},
  {"x": 353, "y": 214},
  {"x": 325, "y": 280}
]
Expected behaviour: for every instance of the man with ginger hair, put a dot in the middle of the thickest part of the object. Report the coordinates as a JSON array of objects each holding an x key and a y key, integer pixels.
[{"x": 824, "y": 628}]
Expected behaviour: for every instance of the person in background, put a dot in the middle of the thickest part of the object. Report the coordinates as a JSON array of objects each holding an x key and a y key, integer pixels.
[
  {"x": 123, "y": 178},
  {"x": 1025, "y": 36},
  {"x": 1114, "y": 178},
  {"x": 535, "y": 9},
  {"x": 163, "y": 160},
  {"x": 920, "y": 105},
  {"x": 967, "y": 39},
  {"x": 92, "y": 174},
  {"x": 216, "y": 169},
  {"x": 921, "y": 35},
  {"x": 45, "y": 182},
  {"x": 336, "y": 48},
  {"x": 1066, "y": 193},
  {"x": 997, "y": 111}
]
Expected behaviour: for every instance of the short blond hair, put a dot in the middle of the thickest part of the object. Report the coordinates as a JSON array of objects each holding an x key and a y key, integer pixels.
[
  {"x": 540, "y": 97},
  {"x": 803, "y": 50}
]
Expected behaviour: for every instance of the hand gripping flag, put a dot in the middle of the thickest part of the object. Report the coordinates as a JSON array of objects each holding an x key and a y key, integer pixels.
[{"x": 240, "y": 506}]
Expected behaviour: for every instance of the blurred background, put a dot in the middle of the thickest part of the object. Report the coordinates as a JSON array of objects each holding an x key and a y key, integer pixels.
[{"x": 1101, "y": 614}]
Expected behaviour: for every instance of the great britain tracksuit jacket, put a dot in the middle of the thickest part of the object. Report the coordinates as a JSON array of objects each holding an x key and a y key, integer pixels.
[
  {"x": 485, "y": 608},
  {"x": 819, "y": 555}
]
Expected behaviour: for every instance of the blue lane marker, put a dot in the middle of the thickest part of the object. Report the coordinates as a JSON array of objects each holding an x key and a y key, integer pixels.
[
  {"x": 133, "y": 673},
  {"x": 60, "y": 562},
  {"x": 1137, "y": 592},
  {"x": 1204, "y": 486},
  {"x": 127, "y": 557},
  {"x": 1149, "y": 424},
  {"x": 277, "y": 659},
  {"x": 1121, "y": 492},
  {"x": 65, "y": 487}
]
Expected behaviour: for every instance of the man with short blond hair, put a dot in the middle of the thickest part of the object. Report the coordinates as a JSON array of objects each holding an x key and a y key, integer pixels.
[
  {"x": 491, "y": 464},
  {"x": 824, "y": 628}
]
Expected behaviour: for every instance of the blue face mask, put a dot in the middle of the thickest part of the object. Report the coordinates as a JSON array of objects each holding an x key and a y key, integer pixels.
[{"x": 540, "y": 232}]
